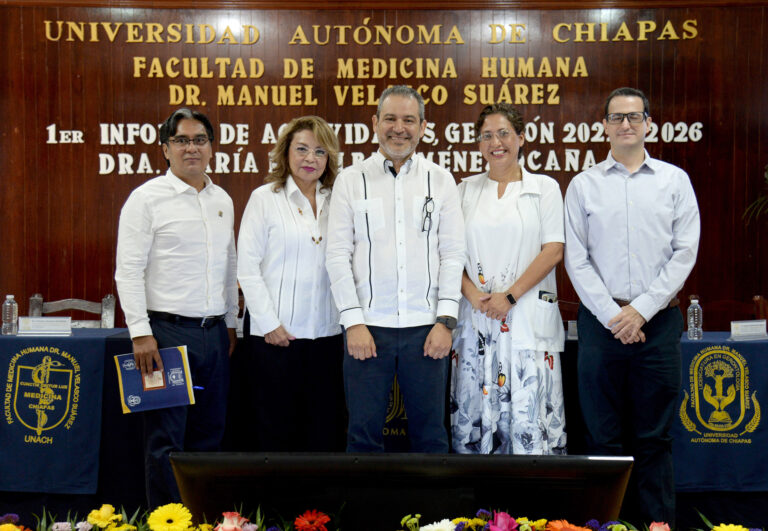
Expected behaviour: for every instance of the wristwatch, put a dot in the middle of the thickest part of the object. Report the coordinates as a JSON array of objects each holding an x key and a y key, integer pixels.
[
  {"x": 449, "y": 322},
  {"x": 511, "y": 299}
]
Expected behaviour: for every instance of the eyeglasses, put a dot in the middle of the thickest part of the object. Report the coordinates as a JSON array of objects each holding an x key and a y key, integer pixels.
[
  {"x": 615, "y": 118},
  {"x": 184, "y": 141},
  {"x": 500, "y": 134},
  {"x": 303, "y": 151},
  {"x": 429, "y": 207}
]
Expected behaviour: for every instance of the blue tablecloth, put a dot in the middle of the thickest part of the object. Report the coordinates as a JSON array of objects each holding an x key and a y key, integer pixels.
[
  {"x": 51, "y": 425},
  {"x": 719, "y": 433}
]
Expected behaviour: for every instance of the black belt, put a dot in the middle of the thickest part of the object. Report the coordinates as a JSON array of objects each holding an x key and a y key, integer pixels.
[
  {"x": 621, "y": 302},
  {"x": 204, "y": 322}
]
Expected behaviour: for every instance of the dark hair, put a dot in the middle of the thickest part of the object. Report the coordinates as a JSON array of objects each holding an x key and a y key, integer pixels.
[
  {"x": 508, "y": 112},
  {"x": 628, "y": 91},
  {"x": 401, "y": 90},
  {"x": 168, "y": 129},
  {"x": 279, "y": 155}
]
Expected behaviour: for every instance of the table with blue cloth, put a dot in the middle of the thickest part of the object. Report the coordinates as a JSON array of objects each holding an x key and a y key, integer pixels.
[
  {"x": 57, "y": 418},
  {"x": 52, "y": 390},
  {"x": 719, "y": 433}
]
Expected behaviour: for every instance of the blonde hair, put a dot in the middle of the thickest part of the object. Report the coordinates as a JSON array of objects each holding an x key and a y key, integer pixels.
[{"x": 279, "y": 155}]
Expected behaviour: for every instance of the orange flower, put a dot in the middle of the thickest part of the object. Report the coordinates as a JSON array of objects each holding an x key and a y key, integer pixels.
[
  {"x": 564, "y": 525},
  {"x": 311, "y": 521}
]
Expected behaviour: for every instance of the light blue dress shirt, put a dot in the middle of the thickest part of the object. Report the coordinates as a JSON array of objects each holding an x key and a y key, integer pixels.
[{"x": 630, "y": 236}]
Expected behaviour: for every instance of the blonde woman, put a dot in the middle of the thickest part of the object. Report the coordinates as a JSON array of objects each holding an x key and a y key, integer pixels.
[{"x": 294, "y": 336}]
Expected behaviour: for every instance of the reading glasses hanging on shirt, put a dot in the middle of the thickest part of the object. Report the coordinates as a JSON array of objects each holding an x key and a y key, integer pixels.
[{"x": 429, "y": 207}]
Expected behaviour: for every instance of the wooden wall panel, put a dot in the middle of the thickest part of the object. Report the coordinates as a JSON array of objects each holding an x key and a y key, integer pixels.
[{"x": 59, "y": 212}]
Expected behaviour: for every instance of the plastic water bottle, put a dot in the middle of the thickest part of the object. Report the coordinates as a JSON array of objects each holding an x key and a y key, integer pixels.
[
  {"x": 10, "y": 316},
  {"x": 695, "y": 318}
]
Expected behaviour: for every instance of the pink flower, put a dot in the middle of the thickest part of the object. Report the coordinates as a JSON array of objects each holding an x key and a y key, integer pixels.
[
  {"x": 232, "y": 522},
  {"x": 502, "y": 522},
  {"x": 658, "y": 526}
]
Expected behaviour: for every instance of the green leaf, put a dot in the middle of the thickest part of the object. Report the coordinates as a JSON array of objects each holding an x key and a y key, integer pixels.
[{"x": 704, "y": 518}]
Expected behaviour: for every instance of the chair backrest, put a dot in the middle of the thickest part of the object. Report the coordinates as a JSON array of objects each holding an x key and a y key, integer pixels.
[
  {"x": 761, "y": 307},
  {"x": 105, "y": 308}
]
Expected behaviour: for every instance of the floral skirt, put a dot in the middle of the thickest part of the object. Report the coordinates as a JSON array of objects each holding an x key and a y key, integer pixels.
[{"x": 504, "y": 401}]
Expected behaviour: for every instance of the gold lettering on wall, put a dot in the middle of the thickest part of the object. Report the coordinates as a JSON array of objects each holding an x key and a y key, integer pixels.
[
  {"x": 377, "y": 35},
  {"x": 643, "y": 30},
  {"x": 148, "y": 32}
]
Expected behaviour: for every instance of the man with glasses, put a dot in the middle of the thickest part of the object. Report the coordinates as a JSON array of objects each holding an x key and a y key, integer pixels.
[
  {"x": 631, "y": 238},
  {"x": 395, "y": 256},
  {"x": 176, "y": 277}
]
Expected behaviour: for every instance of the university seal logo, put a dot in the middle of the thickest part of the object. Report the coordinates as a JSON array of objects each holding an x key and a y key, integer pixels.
[
  {"x": 42, "y": 391},
  {"x": 718, "y": 404}
]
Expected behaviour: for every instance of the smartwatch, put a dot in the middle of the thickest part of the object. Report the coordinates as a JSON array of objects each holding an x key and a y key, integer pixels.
[
  {"x": 511, "y": 299},
  {"x": 449, "y": 322}
]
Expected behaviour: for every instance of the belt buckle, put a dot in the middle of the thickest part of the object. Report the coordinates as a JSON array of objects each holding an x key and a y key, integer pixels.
[{"x": 202, "y": 323}]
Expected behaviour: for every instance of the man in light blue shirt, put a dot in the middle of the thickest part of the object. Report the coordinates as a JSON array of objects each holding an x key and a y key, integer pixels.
[{"x": 632, "y": 234}]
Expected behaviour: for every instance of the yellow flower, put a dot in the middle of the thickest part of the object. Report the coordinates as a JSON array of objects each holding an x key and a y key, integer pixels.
[
  {"x": 729, "y": 527},
  {"x": 104, "y": 516},
  {"x": 205, "y": 527},
  {"x": 477, "y": 523},
  {"x": 459, "y": 520},
  {"x": 122, "y": 527},
  {"x": 170, "y": 517},
  {"x": 8, "y": 527}
]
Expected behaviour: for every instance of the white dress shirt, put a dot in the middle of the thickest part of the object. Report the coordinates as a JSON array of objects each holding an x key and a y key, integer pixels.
[
  {"x": 281, "y": 262},
  {"x": 384, "y": 269},
  {"x": 176, "y": 253},
  {"x": 630, "y": 236}
]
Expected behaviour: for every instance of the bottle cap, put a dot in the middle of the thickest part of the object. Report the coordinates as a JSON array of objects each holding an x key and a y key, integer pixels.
[
  {"x": 694, "y": 301},
  {"x": 8, "y": 297}
]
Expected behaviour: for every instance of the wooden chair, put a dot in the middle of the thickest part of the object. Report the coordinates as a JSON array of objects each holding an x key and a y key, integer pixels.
[
  {"x": 761, "y": 307},
  {"x": 105, "y": 308}
]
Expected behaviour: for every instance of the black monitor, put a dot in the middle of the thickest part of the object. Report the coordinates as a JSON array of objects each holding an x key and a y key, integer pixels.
[{"x": 385, "y": 487}]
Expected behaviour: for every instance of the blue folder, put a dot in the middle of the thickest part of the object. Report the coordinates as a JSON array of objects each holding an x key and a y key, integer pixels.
[{"x": 174, "y": 389}]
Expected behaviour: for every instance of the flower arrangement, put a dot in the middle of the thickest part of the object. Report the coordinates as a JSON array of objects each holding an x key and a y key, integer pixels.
[
  {"x": 501, "y": 521},
  {"x": 176, "y": 517},
  {"x": 170, "y": 517}
]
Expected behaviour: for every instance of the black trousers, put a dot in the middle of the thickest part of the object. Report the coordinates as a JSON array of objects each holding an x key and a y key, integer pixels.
[
  {"x": 298, "y": 395},
  {"x": 199, "y": 427},
  {"x": 628, "y": 395},
  {"x": 423, "y": 382}
]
